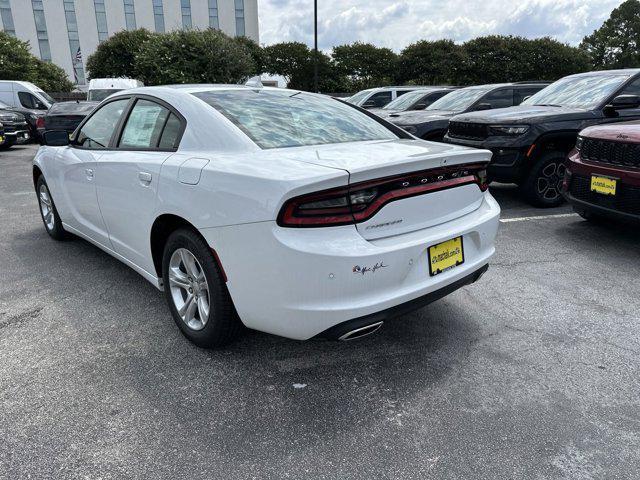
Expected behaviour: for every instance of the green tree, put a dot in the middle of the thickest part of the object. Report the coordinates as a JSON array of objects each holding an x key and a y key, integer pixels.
[
  {"x": 364, "y": 65},
  {"x": 430, "y": 63},
  {"x": 294, "y": 61},
  {"x": 116, "y": 56},
  {"x": 192, "y": 56},
  {"x": 50, "y": 77},
  {"x": 16, "y": 61},
  {"x": 497, "y": 58},
  {"x": 616, "y": 44},
  {"x": 256, "y": 52}
]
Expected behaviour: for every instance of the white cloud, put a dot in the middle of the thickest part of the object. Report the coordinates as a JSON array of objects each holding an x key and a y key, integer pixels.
[{"x": 396, "y": 24}]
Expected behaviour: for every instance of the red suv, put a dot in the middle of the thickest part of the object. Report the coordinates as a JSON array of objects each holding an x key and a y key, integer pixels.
[{"x": 603, "y": 172}]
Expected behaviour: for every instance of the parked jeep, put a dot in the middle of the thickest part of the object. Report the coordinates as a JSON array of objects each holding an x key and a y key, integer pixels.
[
  {"x": 530, "y": 142},
  {"x": 602, "y": 177},
  {"x": 432, "y": 122}
]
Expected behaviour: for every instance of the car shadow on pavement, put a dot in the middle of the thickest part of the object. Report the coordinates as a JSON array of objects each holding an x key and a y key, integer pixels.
[{"x": 114, "y": 332}]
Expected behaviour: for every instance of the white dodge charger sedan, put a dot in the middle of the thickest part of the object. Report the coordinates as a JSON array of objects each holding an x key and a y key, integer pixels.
[{"x": 284, "y": 211}]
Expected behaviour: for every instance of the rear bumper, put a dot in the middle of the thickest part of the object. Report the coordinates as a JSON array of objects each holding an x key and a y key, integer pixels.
[
  {"x": 298, "y": 283},
  {"x": 337, "y": 331}
]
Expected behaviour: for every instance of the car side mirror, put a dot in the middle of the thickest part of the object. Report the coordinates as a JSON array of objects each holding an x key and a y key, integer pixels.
[
  {"x": 56, "y": 138},
  {"x": 622, "y": 102},
  {"x": 482, "y": 106}
]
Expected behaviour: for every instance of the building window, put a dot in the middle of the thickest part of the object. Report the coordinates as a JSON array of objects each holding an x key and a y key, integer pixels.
[
  {"x": 101, "y": 20},
  {"x": 185, "y": 6},
  {"x": 213, "y": 14},
  {"x": 239, "y": 18},
  {"x": 158, "y": 15},
  {"x": 41, "y": 29},
  {"x": 7, "y": 18},
  {"x": 129, "y": 14},
  {"x": 74, "y": 41}
]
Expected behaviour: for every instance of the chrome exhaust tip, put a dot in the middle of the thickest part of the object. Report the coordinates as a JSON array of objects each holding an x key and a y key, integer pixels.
[{"x": 361, "y": 332}]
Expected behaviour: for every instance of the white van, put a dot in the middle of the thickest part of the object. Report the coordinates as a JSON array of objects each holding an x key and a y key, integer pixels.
[
  {"x": 24, "y": 95},
  {"x": 101, "y": 88}
]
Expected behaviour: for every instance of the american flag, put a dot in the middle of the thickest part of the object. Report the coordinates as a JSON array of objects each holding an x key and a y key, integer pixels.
[{"x": 78, "y": 57}]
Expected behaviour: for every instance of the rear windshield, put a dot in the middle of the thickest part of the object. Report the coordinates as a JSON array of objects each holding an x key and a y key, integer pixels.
[
  {"x": 276, "y": 119},
  {"x": 72, "y": 108},
  {"x": 99, "y": 94}
]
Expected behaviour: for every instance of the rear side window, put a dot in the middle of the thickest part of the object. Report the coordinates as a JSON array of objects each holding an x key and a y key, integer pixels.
[
  {"x": 171, "y": 133},
  {"x": 282, "y": 118},
  {"x": 97, "y": 131},
  {"x": 499, "y": 98},
  {"x": 144, "y": 125}
]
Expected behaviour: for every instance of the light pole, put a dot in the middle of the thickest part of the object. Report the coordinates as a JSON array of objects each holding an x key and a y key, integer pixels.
[{"x": 315, "y": 45}]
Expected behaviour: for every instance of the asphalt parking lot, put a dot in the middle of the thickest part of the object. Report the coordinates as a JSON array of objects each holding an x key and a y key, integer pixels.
[{"x": 530, "y": 373}]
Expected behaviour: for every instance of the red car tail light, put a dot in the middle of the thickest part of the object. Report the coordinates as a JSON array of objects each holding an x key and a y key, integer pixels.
[
  {"x": 360, "y": 201},
  {"x": 40, "y": 122}
]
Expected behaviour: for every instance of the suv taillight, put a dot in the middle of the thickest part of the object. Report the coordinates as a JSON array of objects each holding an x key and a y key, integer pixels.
[
  {"x": 360, "y": 201},
  {"x": 40, "y": 122}
]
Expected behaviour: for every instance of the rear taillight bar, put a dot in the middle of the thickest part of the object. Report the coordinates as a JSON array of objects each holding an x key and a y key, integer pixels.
[{"x": 360, "y": 201}]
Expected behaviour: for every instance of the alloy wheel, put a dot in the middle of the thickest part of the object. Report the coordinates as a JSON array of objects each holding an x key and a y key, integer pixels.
[
  {"x": 549, "y": 183},
  {"x": 46, "y": 207},
  {"x": 189, "y": 289}
]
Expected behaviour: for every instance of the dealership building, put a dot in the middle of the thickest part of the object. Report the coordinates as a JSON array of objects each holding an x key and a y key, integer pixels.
[{"x": 66, "y": 32}]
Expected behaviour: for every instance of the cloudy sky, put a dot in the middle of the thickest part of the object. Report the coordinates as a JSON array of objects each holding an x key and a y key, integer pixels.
[{"x": 397, "y": 23}]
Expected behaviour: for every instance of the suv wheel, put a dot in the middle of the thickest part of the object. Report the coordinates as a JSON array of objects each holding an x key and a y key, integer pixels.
[
  {"x": 196, "y": 293},
  {"x": 543, "y": 187}
]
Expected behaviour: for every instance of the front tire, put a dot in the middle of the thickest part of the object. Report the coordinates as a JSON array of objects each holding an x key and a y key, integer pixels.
[
  {"x": 48, "y": 211},
  {"x": 196, "y": 292},
  {"x": 543, "y": 186}
]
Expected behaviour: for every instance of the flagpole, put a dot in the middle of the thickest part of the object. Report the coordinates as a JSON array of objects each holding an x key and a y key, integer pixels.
[{"x": 315, "y": 45}]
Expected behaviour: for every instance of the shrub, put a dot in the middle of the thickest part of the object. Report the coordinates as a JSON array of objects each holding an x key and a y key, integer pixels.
[
  {"x": 116, "y": 56},
  {"x": 192, "y": 56}
]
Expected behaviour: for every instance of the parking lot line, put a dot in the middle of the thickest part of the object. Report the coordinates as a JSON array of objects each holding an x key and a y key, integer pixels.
[{"x": 538, "y": 217}]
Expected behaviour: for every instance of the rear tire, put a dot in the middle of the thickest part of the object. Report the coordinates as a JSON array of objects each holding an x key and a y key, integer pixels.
[
  {"x": 48, "y": 211},
  {"x": 543, "y": 186},
  {"x": 196, "y": 292}
]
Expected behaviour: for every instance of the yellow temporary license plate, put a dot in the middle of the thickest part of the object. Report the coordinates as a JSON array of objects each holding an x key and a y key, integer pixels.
[
  {"x": 1, "y": 139},
  {"x": 604, "y": 185},
  {"x": 445, "y": 256}
]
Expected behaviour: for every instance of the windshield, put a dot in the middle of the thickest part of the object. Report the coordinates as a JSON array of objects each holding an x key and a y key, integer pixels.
[
  {"x": 458, "y": 100},
  {"x": 359, "y": 97},
  {"x": 405, "y": 101},
  {"x": 276, "y": 119},
  {"x": 47, "y": 97},
  {"x": 586, "y": 91},
  {"x": 100, "y": 94}
]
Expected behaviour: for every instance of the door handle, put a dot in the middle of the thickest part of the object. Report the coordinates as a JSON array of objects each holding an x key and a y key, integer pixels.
[
  {"x": 145, "y": 178},
  {"x": 89, "y": 173}
]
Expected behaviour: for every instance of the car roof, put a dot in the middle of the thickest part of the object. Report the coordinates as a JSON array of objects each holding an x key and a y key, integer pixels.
[{"x": 620, "y": 71}]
